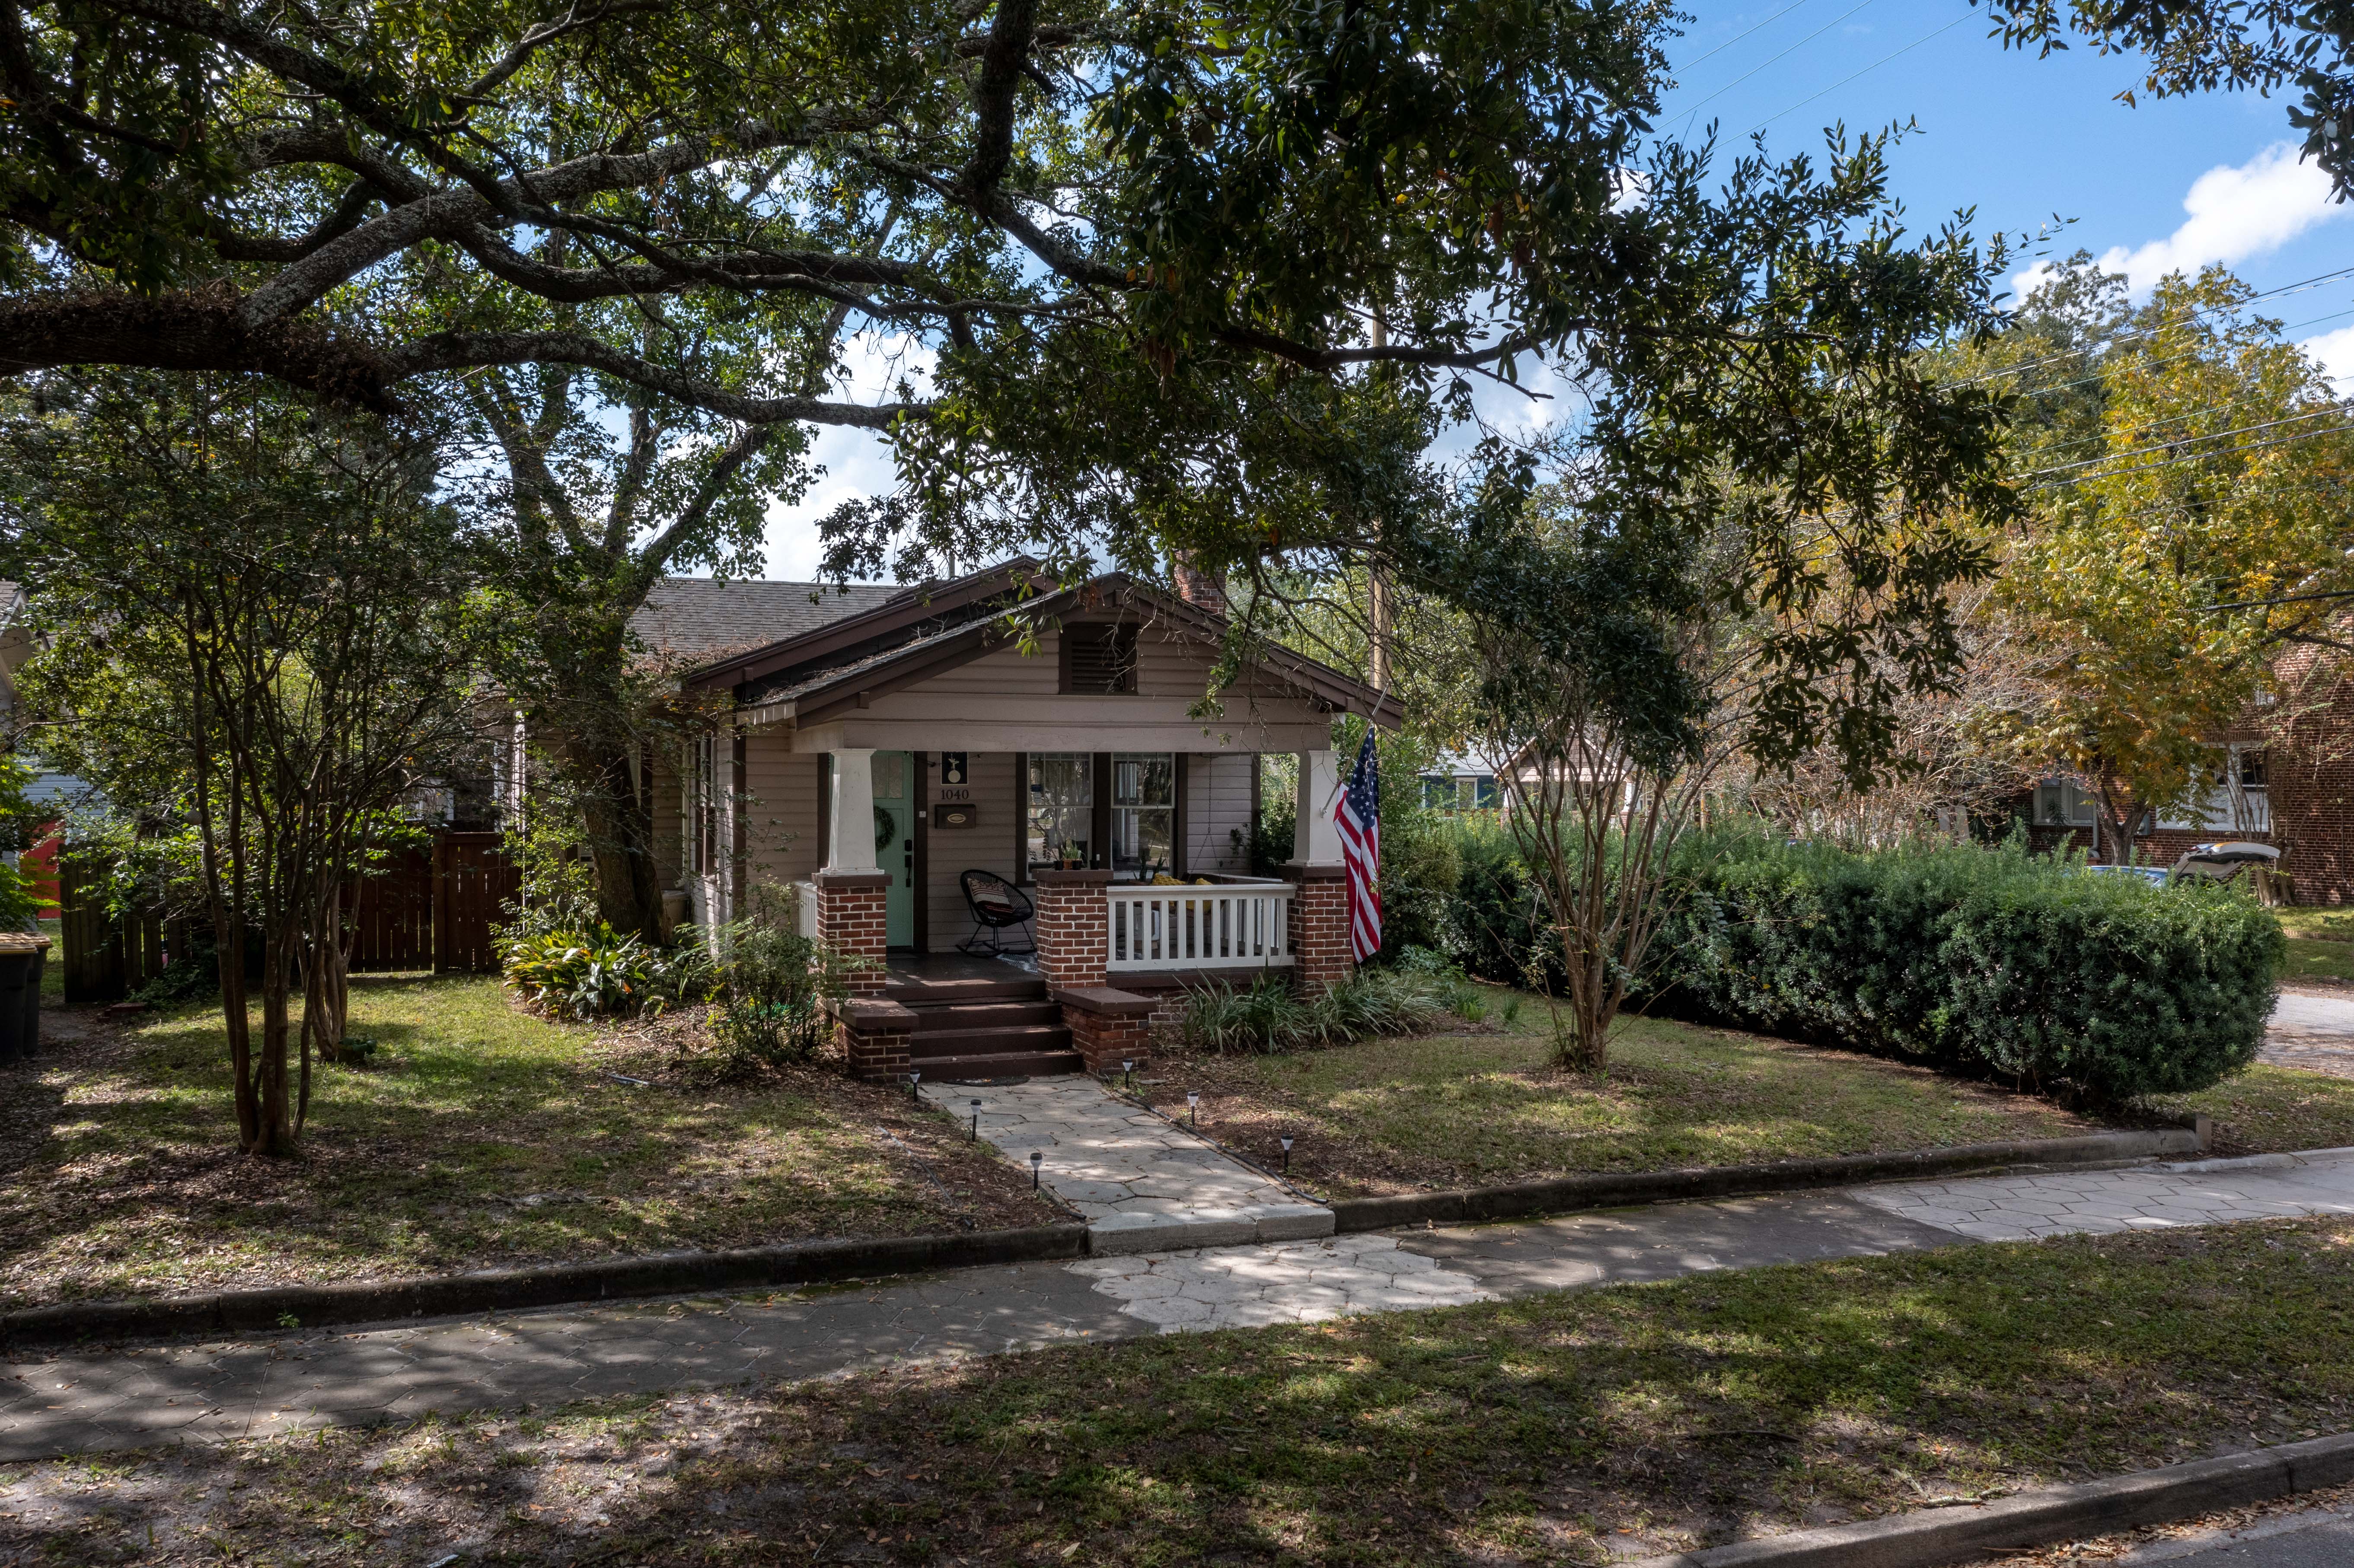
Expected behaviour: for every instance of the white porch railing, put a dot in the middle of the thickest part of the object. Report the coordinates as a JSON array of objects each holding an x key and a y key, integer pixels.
[{"x": 1230, "y": 924}]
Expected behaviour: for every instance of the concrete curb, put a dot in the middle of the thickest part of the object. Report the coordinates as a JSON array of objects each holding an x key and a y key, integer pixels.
[
  {"x": 1941, "y": 1535},
  {"x": 1614, "y": 1190},
  {"x": 516, "y": 1290}
]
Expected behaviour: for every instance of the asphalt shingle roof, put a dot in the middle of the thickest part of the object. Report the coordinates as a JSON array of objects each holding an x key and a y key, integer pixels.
[{"x": 697, "y": 619}]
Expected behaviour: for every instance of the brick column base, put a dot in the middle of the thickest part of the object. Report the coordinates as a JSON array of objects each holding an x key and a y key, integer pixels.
[
  {"x": 1107, "y": 1027},
  {"x": 1073, "y": 927},
  {"x": 873, "y": 1038},
  {"x": 1322, "y": 954},
  {"x": 850, "y": 920}
]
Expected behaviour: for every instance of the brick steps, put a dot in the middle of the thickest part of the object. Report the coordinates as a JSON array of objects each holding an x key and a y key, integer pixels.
[
  {"x": 937, "y": 1018},
  {"x": 997, "y": 1064},
  {"x": 942, "y": 1044}
]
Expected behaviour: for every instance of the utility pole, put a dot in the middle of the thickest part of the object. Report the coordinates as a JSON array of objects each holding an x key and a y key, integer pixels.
[{"x": 1378, "y": 616}]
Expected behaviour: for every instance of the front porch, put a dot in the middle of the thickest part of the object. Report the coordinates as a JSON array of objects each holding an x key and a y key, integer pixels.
[{"x": 1109, "y": 956}]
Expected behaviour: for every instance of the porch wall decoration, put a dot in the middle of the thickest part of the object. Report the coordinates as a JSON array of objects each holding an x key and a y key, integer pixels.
[{"x": 955, "y": 816}]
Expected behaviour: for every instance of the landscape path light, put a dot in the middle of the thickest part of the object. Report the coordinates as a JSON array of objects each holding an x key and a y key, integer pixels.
[
  {"x": 1128, "y": 1075},
  {"x": 1193, "y": 1108},
  {"x": 1037, "y": 1162},
  {"x": 976, "y": 1121},
  {"x": 1286, "y": 1153}
]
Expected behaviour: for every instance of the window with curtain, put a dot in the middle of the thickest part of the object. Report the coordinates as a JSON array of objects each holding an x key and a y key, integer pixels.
[
  {"x": 1143, "y": 814},
  {"x": 1061, "y": 806}
]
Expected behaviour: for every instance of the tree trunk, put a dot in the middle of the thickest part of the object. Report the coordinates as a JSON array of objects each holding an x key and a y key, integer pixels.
[
  {"x": 272, "y": 1091},
  {"x": 621, "y": 836}
]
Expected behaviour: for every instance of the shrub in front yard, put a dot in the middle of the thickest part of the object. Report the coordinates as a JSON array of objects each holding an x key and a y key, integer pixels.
[
  {"x": 1981, "y": 959},
  {"x": 1268, "y": 1015},
  {"x": 597, "y": 973},
  {"x": 778, "y": 982}
]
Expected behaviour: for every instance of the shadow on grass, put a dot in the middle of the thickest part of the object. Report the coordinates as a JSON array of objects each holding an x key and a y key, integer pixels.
[
  {"x": 478, "y": 1134},
  {"x": 1568, "y": 1428}
]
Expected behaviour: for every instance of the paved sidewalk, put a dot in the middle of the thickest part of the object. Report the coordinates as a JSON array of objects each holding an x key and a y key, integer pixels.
[
  {"x": 100, "y": 1400},
  {"x": 2311, "y": 1030},
  {"x": 1142, "y": 1185},
  {"x": 2193, "y": 1193}
]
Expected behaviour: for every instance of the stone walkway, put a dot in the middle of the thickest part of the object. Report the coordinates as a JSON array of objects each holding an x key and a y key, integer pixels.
[
  {"x": 91, "y": 1401},
  {"x": 1142, "y": 1185}
]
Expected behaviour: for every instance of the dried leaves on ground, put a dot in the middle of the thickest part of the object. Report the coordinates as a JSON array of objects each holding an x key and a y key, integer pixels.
[
  {"x": 1457, "y": 1111},
  {"x": 1558, "y": 1429},
  {"x": 478, "y": 1136}
]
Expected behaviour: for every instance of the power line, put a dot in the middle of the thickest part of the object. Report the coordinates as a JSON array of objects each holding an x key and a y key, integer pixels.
[
  {"x": 1745, "y": 32},
  {"x": 1866, "y": 70},
  {"x": 2149, "y": 428},
  {"x": 1794, "y": 49},
  {"x": 2145, "y": 365},
  {"x": 2201, "y": 457},
  {"x": 2296, "y": 288},
  {"x": 2186, "y": 440}
]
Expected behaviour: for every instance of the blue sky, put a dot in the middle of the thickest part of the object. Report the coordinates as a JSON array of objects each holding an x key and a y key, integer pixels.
[{"x": 2027, "y": 143}]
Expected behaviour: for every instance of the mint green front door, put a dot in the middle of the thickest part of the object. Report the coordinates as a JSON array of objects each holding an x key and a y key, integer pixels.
[{"x": 895, "y": 843}]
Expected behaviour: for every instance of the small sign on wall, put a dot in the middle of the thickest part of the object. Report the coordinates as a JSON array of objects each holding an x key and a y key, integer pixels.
[
  {"x": 952, "y": 770},
  {"x": 955, "y": 816}
]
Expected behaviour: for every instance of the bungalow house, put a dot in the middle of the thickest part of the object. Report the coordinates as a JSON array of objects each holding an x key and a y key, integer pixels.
[
  {"x": 875, "y": 745},
  {"x": 2285, "y": 779}
]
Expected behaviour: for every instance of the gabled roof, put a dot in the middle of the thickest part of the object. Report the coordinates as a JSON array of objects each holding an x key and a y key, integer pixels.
[{"x": 940, "y": 624}]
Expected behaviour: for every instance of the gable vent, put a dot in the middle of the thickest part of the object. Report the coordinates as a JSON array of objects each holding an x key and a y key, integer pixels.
[{"x": 1099, "y": 660}]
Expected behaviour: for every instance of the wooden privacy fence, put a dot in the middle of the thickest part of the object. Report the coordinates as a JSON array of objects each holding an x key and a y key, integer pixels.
[{"x": 428, "y": 910}]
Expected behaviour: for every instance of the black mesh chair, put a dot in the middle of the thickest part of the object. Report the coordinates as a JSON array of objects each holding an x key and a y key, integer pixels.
[{"x": 997, "y": 907}]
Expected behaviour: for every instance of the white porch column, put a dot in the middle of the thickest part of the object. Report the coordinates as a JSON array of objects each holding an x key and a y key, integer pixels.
[
  {"x": 853, "y": 849},
  {"x": 1315, "y": 840},
  {"x": 852, "y": 892}
]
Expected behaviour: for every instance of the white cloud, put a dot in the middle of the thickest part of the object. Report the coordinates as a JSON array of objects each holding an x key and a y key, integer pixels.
[
  {"x": 2235, "y": 213},
  {"x": 2335, "y": 350}
]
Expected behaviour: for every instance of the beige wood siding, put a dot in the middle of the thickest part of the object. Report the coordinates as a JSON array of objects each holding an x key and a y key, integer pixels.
[
  {"x": 1008, "y": 686},
  {"x": 669, "y": 838},
  {"x": 987, "y": 846},
  {"x": 780, "y": 808},
  {"x": 1217, "y": 804}
]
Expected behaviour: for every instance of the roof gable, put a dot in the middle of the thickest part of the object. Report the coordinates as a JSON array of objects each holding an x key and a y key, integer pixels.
[{"x": 900, "y": 643}]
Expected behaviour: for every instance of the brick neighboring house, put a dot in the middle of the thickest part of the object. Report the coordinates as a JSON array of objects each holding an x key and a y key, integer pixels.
[{"x": 2291, "y": 785}]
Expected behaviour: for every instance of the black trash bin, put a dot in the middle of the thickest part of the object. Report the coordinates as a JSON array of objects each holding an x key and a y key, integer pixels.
[{"x": 22, "y": 959}]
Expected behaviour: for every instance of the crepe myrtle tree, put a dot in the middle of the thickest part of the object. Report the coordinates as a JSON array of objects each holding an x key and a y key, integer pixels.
[
  {"x": 1206, "y": 275},
  {"x": 260, "y": 621}
]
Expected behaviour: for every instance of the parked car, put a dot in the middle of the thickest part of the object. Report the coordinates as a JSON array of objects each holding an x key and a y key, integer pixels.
[{"x": 2218, "y": 861}]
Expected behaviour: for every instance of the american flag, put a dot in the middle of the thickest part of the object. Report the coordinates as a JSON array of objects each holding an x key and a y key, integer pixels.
[{"x": 1359, "y": 814}]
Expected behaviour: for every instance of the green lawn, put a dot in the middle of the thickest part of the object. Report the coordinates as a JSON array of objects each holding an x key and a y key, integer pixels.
[
  {"x": 482, "y": 1136},
  {"x": 2320, "y": 942},
  {"x": 1559, "y": 1429},
  {"x": 2267, "y": 1110},
  {"x": 1465, "y": 1109}
]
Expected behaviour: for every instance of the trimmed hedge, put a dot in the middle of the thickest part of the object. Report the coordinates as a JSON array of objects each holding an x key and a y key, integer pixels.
[
  {"x": 1981, "y": 960},
  {"x": 1976, "y": 960}
]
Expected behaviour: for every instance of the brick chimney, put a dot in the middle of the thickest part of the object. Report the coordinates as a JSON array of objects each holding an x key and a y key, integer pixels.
[{"x": 1202, "y": 590}]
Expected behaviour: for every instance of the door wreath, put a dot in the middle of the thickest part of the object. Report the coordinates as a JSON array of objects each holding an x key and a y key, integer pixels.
[{"x": 886, "y": 828}]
